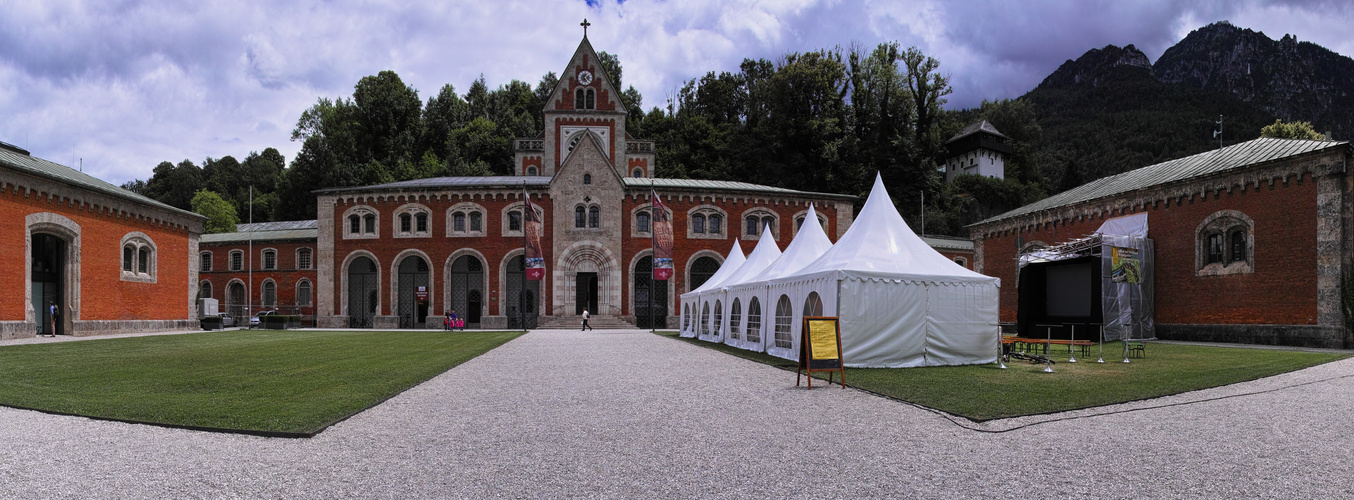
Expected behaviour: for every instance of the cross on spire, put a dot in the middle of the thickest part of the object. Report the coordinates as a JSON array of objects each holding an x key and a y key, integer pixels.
[{"x": 585, "y": 25}]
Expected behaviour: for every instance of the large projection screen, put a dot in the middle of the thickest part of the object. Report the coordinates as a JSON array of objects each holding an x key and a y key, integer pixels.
[{"x": 1068, "y": 290}]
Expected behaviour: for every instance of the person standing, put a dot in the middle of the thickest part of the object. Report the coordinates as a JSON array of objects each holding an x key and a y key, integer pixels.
[
  {"x": 53, "y": 312},
  {"x": 586, "y": 327}
]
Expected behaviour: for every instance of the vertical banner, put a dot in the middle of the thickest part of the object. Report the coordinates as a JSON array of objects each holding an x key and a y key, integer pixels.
[
  {"x": 662, "y": 239},
  {"x": 531, "y": 229}
]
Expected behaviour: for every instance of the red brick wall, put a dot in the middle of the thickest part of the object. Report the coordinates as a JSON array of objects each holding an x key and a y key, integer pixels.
[
  {"x": 1281, "y": 290},
  {"x": 103, "y": 294},
  {"x": 287, "y": 274}
]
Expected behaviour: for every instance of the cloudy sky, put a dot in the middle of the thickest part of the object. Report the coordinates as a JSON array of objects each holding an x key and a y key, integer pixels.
[{"x": 128, "y": 84}]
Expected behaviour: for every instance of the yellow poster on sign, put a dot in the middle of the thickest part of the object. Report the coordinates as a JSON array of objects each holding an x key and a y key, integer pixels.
[{"x": 823, "y": 339}]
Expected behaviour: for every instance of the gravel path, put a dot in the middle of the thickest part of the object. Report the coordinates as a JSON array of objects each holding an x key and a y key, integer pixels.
[{"x": 630, "y": 414}]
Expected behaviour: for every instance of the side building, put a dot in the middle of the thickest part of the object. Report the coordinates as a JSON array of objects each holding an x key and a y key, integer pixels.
[
  {"x": 264, "y": 266},
  {"x": 1252, "y": 241},
  {"x": 109, "y": 259}
]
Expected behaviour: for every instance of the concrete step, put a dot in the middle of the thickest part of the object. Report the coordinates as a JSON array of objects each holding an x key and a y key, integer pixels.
[{"x": 575, "y": 322}]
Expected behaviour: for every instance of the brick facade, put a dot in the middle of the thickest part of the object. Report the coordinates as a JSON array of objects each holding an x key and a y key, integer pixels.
[{"x": 1287, "y": 294}]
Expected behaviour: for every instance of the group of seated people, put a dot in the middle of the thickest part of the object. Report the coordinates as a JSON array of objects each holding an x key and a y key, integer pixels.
[{"x": 452, "y": 322}]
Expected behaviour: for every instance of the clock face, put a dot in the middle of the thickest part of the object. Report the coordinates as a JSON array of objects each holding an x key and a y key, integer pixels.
[{"x": 584, "y": 77}]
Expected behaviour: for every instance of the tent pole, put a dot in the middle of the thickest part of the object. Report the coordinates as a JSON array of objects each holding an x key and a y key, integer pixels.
[{"x": 1102, "y": 344}]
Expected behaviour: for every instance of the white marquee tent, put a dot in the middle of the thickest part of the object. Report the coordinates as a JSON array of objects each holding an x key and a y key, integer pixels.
[
  {"x": 901, "y": 303},
  {"x": 747, "y": 300},
  {"x": 690, "y": 316},
  {"x": 763, "y": 255}
]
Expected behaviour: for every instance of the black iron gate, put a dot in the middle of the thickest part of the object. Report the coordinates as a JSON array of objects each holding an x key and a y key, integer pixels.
[
  {"x": 467, "y": 281},
  {"x": 522, "y": 294},
  {"x": 651, "y": 297},
  {"x": 362, "y": 293},
  {"x": 413, "y": 278}
]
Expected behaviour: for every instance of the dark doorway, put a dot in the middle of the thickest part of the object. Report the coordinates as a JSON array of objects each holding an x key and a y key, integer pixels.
[
  {"x": 362, "y": 293},
  {"x": 521, "y": 298},
  {"x": 587, "y": 293},
  {"x": 651, "y": 297},
  {"x": 467, "y": 285},
  {"x": 235, "y": 305},
  {"x": 49, "y": 265},
  {"x": 413, "y": 292}
]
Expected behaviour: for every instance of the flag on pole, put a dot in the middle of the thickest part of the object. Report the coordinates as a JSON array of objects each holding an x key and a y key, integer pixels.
[
  {"x": 531, "y": 226},
  {"x": 662, "y": 239}
]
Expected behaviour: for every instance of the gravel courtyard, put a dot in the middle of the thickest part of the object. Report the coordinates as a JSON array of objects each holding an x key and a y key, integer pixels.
[{"x": 631, "y": 414}]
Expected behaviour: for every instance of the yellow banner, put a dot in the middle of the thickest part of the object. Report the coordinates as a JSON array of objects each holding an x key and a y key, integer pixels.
[{"x": 823, "y": 339}]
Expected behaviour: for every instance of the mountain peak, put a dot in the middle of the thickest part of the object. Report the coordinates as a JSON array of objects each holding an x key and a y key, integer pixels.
[{"x": 1099, "y": 65}]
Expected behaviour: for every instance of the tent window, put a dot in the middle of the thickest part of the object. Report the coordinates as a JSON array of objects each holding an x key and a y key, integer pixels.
[
  {"x": 754, "y": 331},
  {"x": 686, "y": 318},
  {"x": 784, "y": 315},
  {"x": 734, "y": 316},
  {"x": 705, "y": 320},
  {"x": 813, "y": 306},
  {"x": 719, "y": 318}
]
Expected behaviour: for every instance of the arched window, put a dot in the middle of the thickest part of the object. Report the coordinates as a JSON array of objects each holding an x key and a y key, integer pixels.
[
  {"x": 751, "y": 229},
  {"x": 128, "y": 255},
  {"x": 594, "y": 217},
  {"x": 531, "y": 170},
  {"x": 138, "y": 258},
  {"x": 269, "y": 259},
  {"x": 705, "y": 320},
  {"x": 587, "y": 178},
  {"x": 143, "y": 260},
  {"x": 768, "y": 221},
  {"x": 303, "y": 259},
  {"x": 719, "y": 318},
  {"x": 236, "y": 260},
  {"x": 405, "y": 225},
  {"x": 591, "y": 100},
  {"x": 421, "y": 222},
  {"x": 206, "y": 262},
  {"x": 204, "y": 290},
  {"x": 961, "y": 261},
  {"x": 813, "y": 305},
  {"x": 784, "y": 316},
  {"x": 269, "y": 294},
  {"x": 369, "y": 223},
  {"x": 642, "y": 222},
  {"x": 735, "y": 316},
  {"x": 701, "y": 271},
  {"x": 303, "y": 293},
  {"x": 716, "y": 224},
  {"x": 698, "y": 224},
  {"x": 754, "y": 331},
  {"x": 580, "y": 216},
  {"x": 579, "y": 101},
  {"x": 458, "y": 222},
  {"x": 637, "y": 173},
  {"x": 515, "y": 220},
  {"x": 1225, "y": 244},
  {"x": 354, "y": 224},
  {"x": 1237, "y": 250},
  {"x": 476, "y": 222}
]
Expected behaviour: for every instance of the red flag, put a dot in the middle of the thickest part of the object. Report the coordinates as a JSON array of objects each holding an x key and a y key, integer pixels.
[
  {"x": 531, "y": 225},
  {"x": 662, "y": 239}
]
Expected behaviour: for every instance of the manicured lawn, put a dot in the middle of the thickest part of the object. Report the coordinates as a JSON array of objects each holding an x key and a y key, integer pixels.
[
  {"x": 267, "y": 382},
  {"x": 984, "y": 392}
]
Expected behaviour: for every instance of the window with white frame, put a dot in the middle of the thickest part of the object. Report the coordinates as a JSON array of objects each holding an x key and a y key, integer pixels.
[
  {"x": 205, "y": 262},
  {"x": 705, "y": 222},
  {"x": 754, "y": 331},
  {"x": 269, "y": 259},
  {"x": 304, "y": 258},
  {"x": 303, "y": 293},
  {"x": 756, "y": 219},
  {"x": 138, "y": 258},
  {"x": 412, "y": 221},
  {"x": 466, "y": 219},
  {"x": 236, "y": 260},
  {"x": 512, "y": 218},
  {"x": 784, "y": 316},
  {"x": 362, "y": 223},
  {"x": 1224, "y": 244},
  {"x": 269, "y": 293}
]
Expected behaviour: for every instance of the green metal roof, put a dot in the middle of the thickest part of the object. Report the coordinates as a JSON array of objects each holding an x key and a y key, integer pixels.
[
  {"x": 704, "y": 185},
  {"x": 19, "y": 159},
  {"x": 276, "y": 235},
  {"x": 1238, "y": 156}
]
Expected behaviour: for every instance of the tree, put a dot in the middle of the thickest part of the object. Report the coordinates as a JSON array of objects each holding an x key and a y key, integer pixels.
[
  {"x": 137, "y": 186},
  {"x": 174, "y": 185},
  {"x": 1291, "y": 130},
  {"x": 221, "y": 216}
]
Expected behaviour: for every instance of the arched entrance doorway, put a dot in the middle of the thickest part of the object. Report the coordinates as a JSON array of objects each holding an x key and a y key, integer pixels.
[
  {"x": 522, "y": 294},
  {"x": 235, "y": 302},
  {"x": 701, "y": 271},
  {"x": 651, "y": 297},
  {"x": 467, "y": 289},
  {"x": 413, "y": 298},
  {"x": 48, "y": 268},
  {"x": 363, "y": 293}
]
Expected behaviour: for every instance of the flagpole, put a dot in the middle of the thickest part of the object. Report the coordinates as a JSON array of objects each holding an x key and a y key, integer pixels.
[
  {"x": 653, "y": 254},
  {"x": 521, "y": 304}
]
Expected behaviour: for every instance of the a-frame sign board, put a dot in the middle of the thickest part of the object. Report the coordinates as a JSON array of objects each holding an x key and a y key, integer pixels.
[{"x": 820, "y": 349}]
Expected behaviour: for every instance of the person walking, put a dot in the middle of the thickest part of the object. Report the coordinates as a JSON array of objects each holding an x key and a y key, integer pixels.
[{"x": 586, "y": 327}]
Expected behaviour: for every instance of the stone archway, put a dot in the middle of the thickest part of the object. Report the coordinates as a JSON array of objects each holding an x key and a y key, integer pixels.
[
  {"x": 52, "y": 269},
  {"x": 587, "y": 262}
]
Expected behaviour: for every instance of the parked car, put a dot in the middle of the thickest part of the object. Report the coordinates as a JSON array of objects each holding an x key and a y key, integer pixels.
[
  {"x": 254, "y": 320},
  {"x": 227, "y": 320}
]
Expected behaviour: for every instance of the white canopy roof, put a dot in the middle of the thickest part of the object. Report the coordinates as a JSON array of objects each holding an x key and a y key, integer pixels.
[
  {"x": 765, "y": 253},
  {"x": 809, "y": 244},
  {"x": 734, "y": 261},
  {"x": 879, "y": 244}
]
